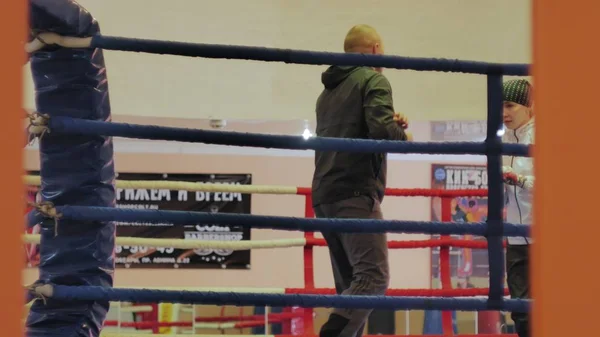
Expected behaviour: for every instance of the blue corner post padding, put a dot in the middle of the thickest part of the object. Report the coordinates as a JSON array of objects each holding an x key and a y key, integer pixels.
[{"x": 75, "y": 170}]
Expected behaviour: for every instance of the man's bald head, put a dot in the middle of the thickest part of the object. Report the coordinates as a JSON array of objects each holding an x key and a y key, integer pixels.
[{"x": 363, "y": 39}]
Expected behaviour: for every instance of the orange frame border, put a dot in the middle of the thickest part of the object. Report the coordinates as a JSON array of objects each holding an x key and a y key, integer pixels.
[
  {"x": 564, "y": 268},
  {"x": 566, "y": 80},
  {"x": 13, "y": 23}
]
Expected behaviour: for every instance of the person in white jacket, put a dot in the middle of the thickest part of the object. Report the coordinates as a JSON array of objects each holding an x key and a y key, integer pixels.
[{"x": 518, "y": 177}]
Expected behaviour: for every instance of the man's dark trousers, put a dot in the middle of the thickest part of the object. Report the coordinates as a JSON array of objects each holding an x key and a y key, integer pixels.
[{"x": 359, "y": 262}]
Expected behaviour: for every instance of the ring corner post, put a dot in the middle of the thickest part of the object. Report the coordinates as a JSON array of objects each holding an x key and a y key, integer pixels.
[
  {"x": 76, "y": 171},
  {"x": 309, "y": 273},
  {"x": 444, "y": 265},
  {"x": 495, "y": 188}
]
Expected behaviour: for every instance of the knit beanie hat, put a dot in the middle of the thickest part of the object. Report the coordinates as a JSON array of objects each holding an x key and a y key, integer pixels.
[{"x": 518, "y": 91}]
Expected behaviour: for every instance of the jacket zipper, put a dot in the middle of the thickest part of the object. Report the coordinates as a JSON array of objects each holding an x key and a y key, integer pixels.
[{"x": 512, "y": 160}]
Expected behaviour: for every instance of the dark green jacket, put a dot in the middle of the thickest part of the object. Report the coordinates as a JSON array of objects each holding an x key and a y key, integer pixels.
[{"x": 356, "y": 103}]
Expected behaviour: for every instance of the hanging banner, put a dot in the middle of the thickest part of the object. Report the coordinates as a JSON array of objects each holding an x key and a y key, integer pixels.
[
  {"x": 214, "y": 202},
  {"x": 469, "y": 267},
  {"x": 458, "y": 130}
]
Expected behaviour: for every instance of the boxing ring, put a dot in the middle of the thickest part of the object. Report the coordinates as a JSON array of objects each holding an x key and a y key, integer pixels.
[{"x": 78, "y": 204}]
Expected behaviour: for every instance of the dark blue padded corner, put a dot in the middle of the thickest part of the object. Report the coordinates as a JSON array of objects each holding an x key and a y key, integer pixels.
[
  {"x": 65, "y": 17},
  {"x": 75, "y": 170}
]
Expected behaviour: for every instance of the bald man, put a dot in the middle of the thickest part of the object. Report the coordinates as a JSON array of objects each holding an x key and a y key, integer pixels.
[{"x": 355, "y": 103}]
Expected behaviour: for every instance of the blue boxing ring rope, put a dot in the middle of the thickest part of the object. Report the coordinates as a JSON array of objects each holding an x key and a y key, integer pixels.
[
  {"x": 86, "y": 213},
  {"x": 304, "y": 56},
  {"x": 74, "y": 126},
  {"x": 68, "y": 293},
  {"x": 493, "y": 229}
]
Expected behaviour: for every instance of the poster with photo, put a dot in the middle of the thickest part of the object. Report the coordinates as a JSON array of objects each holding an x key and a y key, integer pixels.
[{"x": 468, "y": 267}]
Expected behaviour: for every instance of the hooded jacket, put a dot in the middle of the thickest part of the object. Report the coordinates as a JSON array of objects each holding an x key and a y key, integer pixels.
[
  {"x": 519, "y": 199},
  {"x": 355, "y": 103}
]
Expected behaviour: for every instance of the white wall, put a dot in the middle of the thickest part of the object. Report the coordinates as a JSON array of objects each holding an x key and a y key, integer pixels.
[{"x": 169, "y": 86}]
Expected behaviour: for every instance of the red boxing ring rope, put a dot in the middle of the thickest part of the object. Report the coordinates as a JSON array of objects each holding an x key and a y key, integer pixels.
[
  {"x": 305, "y": 326},
  {"x": 152, "y": 325},
  {"x": 404, "y": 292},
  {"x": 444, "y": 242},
  {"x": 418, "y": 192}
]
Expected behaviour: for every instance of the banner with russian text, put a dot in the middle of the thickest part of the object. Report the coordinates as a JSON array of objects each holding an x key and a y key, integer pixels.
[
  {"x": 214, "y": 202},
  {"x": 467, "y": 265},
  {"x": 469, "y": 268}
]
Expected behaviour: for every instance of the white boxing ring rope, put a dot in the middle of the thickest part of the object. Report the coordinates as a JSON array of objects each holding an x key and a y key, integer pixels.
[
  {"x": 32, "y": 180},
  {"x": 194, "y": 244},
  {"x": 189, "y": 186}
]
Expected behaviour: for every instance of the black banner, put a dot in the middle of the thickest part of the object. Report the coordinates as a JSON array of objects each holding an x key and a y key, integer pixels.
[{"x": 147, "y": 257}]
